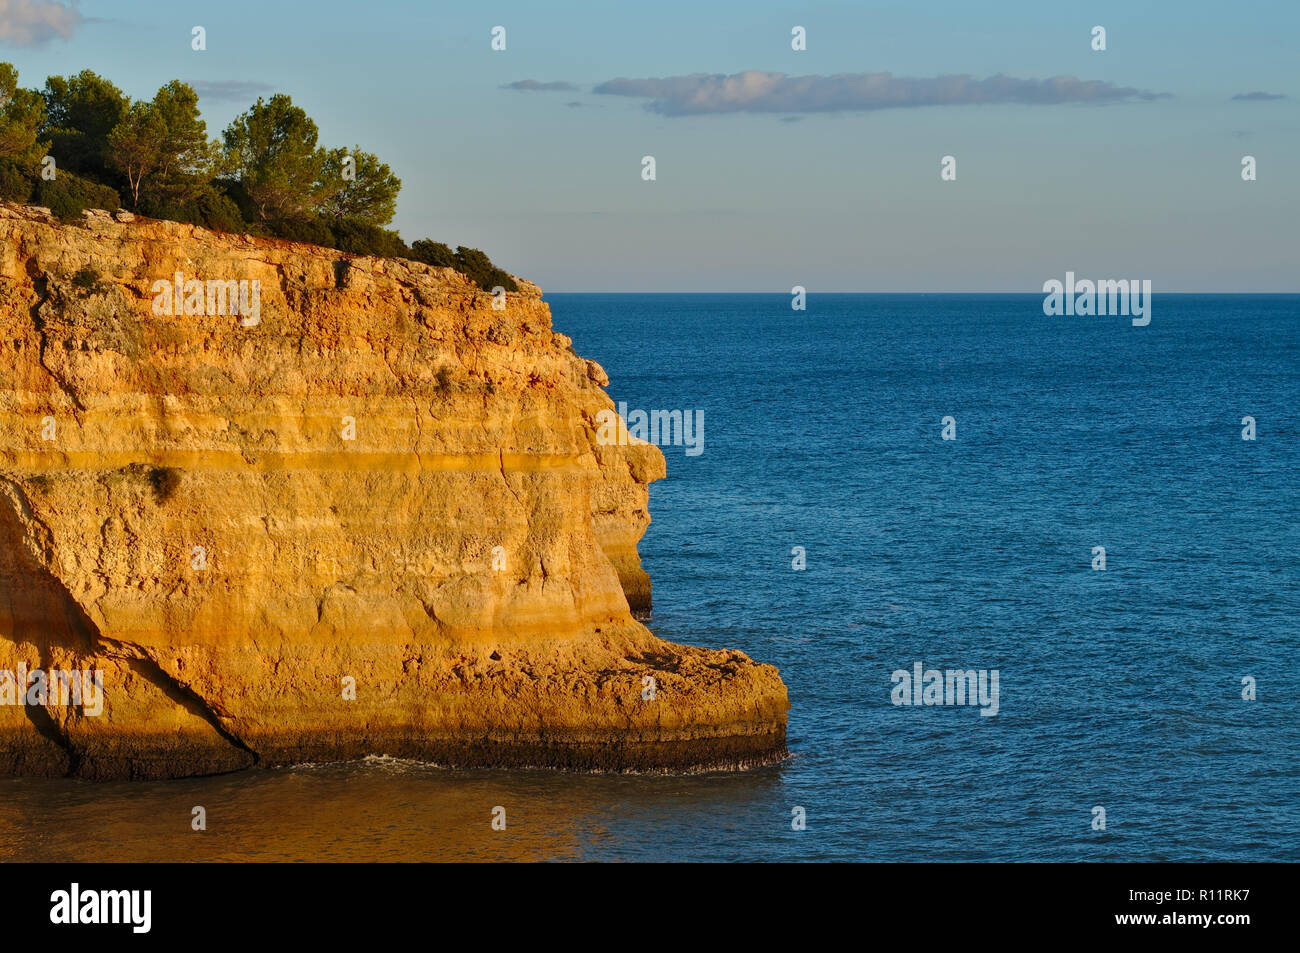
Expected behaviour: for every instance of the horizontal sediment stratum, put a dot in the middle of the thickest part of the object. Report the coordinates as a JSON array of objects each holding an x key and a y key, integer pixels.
[{"x": 374, "y": 521}]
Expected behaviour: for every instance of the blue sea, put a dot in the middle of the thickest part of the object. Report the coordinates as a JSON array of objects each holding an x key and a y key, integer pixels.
[{"x": 1120, "y": 689}]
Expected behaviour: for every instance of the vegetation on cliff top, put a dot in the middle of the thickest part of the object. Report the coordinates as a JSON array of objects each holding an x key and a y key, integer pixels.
[{"x": 82, "y": 143}]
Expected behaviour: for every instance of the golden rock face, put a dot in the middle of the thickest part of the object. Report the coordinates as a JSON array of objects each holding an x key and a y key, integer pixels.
[{"x": 376, "y": 520}]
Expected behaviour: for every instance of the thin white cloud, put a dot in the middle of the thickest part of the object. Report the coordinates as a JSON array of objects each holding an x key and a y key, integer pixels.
[
  {"x": 535, "y": 86},
  {"x": 36, "y": 22},
  {"x": 761, "y": 92}
]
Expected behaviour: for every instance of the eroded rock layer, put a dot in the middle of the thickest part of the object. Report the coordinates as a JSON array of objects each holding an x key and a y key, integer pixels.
[{"x": 376, "y": 521}]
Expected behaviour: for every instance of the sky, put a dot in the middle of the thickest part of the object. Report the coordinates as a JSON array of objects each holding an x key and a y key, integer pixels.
[{"x": 773, "y": 167}]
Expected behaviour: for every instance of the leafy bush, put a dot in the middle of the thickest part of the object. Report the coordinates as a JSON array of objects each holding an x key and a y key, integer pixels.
[
  {"x": 211, "y": 208},
  {"x": 234, "y": 190},
  {"x": 313, "y": 231},
  {"x": 68, "y": 195},
  {"x": 498, "y": 278},
  {"x": 88, "y": 282},
  {"x": 361, "y": 238},
  {"x": 217, "y": 211},
  {"x": 433, "y": 253},
  {"x": 478, "y": 268},
  {"x": 470, "y": 262},
  {"x": 15, "y": 185}
]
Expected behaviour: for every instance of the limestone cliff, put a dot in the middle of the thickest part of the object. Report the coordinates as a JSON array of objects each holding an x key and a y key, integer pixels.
[{"x": 374, "y": 521}]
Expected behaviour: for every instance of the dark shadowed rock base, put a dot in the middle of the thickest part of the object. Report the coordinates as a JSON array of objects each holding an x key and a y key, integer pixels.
[{"x": 143, "y": 762}]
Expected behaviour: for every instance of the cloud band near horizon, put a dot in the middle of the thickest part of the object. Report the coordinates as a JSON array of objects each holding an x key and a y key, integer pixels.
[
  {"x": 535, "y": 86},
  {"x": 1257, "y": 97},
  {"x": 756, "y": 91}
]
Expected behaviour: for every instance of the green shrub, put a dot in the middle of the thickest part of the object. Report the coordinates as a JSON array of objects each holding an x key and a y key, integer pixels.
[
  {"x": 68, "y": 195},
  {"x": 478, "y": 268},
  {"x": 498, "y": 278},
  {"x": 313, "y": 231},
  {"x": 15, "y": 185},
  {"x": 219, "y": 212},
  {"x": 433, "y": 253},
  {"x": 238, "y": 195},
  {"x": 211, "y": 208},
  {"x": 88, "y": 282},
  {"x": 361, "y": 238},
  {"x": 470, "y": 262}
]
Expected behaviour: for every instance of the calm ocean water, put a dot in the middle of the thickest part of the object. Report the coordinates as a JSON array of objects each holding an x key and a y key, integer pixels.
[{"x": 1120, "y": 689}]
